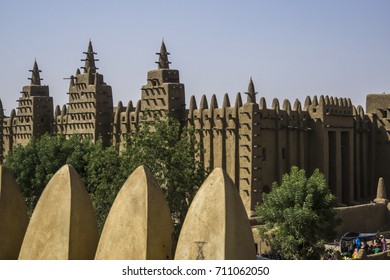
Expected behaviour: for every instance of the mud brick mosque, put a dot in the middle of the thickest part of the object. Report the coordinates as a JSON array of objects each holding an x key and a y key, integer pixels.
[{"x": 255, "y": 143}]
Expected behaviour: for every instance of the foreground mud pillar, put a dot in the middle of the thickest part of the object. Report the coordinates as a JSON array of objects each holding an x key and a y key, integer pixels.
[
  {"x": 381, "y": 196},
  {"x": 13, "y": 216},
  {"x": 63, "y": 225},
  {"x": 216, "y": 226},
  {"x": 139, "y": 225}
]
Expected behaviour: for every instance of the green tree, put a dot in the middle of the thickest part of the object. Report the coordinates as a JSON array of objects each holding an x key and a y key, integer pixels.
[
  {"x": 170, "y": 152},
  {"x": 103, "y": 179},
  {"x": 299, "y": 215},
  {"x": 165, "y": 147},
  {"x": 36, "y": 163}
]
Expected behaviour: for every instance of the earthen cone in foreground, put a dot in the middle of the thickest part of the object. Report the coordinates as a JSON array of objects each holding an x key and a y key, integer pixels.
[
  {"x": 216, "y": 226},
  {"x": 139, "y": 225},
  {"x": 63, "y": 225},
  {"x": 381, "y": 196},
  {"x": 13, "y": 216}
]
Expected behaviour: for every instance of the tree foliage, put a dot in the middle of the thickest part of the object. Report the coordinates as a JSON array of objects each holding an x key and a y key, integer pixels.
[
  {"x": 170, "y": 152},
  {"x": 35, "y": 164},
  {"x": 166, "y": 148},
  {"x": 299, "y": 215}
]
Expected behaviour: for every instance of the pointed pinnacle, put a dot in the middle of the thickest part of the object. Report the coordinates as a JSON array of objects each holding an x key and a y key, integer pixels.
[
  {"x": 163, "y": 62},
  {"x": 213, "y": 102},
  {"x": 192, "y": 104},
  {"x": 35, "y": 77},
  {"x": 203, "y": 103},
  {"x": 251, "y": 94},
  {"x": 238, "y": 100},
  {"x": 226, "y": 101},
  {"x": 89, "y": 59}
]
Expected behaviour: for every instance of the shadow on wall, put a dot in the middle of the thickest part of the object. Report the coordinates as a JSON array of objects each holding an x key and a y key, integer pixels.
[
  {"x": 63, "y": 225},
  {"x": 372, "y": 217}
]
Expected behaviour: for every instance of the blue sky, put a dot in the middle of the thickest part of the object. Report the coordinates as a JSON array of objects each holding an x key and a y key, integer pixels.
[{"x": 290, "y": 48}]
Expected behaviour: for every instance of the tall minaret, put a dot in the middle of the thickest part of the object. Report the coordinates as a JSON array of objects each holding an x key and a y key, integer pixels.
[
  {"x": 34, "y": 115},
  {"x": 163, "y": 94},
  {"x": 90, "y": 108}
]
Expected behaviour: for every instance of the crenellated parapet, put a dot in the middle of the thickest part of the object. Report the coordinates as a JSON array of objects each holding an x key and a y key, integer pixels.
[
  {"x": 253, "y": 140},
  {"x": 257, "y": 144},
  {"x": 331, "y": 111},
  {"x": 125, "y": 121}
]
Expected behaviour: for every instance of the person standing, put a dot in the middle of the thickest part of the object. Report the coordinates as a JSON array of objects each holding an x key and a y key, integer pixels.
[{"x": 383, "y": 243}]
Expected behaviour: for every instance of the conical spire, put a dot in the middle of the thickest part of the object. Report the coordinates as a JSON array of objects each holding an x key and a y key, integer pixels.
[
  {"x": 381, "y": 196},
  {"x": 35, "y": 77},
  {"x": 1, "y": 109},
  {"x": 213, "y": 102},
  {"x": 57, "y": 111},
  {"x": 203, "y": 103},
  {"x": 251, "y": 93},
  {"x": 90, "y": 59},
  {"x": 71, "y": 84},
  {"x": 226, "y": 101},
  {"x": 163, "y": 62},
  {"x": 192, "y": 104},
  {"x": 238, "y": 100}
]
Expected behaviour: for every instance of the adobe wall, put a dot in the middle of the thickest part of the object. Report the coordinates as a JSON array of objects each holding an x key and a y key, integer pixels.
[{"x": 370, "y": 217}]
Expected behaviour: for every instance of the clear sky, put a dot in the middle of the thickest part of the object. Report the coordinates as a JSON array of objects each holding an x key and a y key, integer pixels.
[{"x": 290, "y": 48}]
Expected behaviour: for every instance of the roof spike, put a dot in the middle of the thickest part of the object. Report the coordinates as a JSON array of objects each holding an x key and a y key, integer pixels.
[
  {"x": 287, "y": 106},
  {"x": 89, "y": 59},
  {"x": 226, "y": 101},
  {"x": 251, "y": 93},
  {"x": 315, "y": 101},
  {"x": 13, "y": 113},
  {"x": 192, "y": 104},
  {"x": 262, "y": 104},
  {"x": 327, "y": 100},
  {"x": 322, "y": 100},
  {"x": 238, "y": 100},
  {"x": 63, "y": 110},
  {"x": 349, "y": 103},
  {"x": 1, "y": 109},
  {"x": 297, "y": 106},
  {"x": 163, "y": 62},
  {"x": 35, "y": 77},
  {"x": 130, "y": 104},
  {"x": 336, "y": 102},
  {"x": 275, "y": 105},
  {"x": 360, "y": 111},
  {"x": 213, "y": 102},
  {"x": 307, "y": 103},
  {"x": 138, "y": 106},
  {"x": 354, "y": 111},
  {"x": 203, "y": 103},
  {"x": 71, "y": 83},
  {"x": 57, "y": 111}
]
